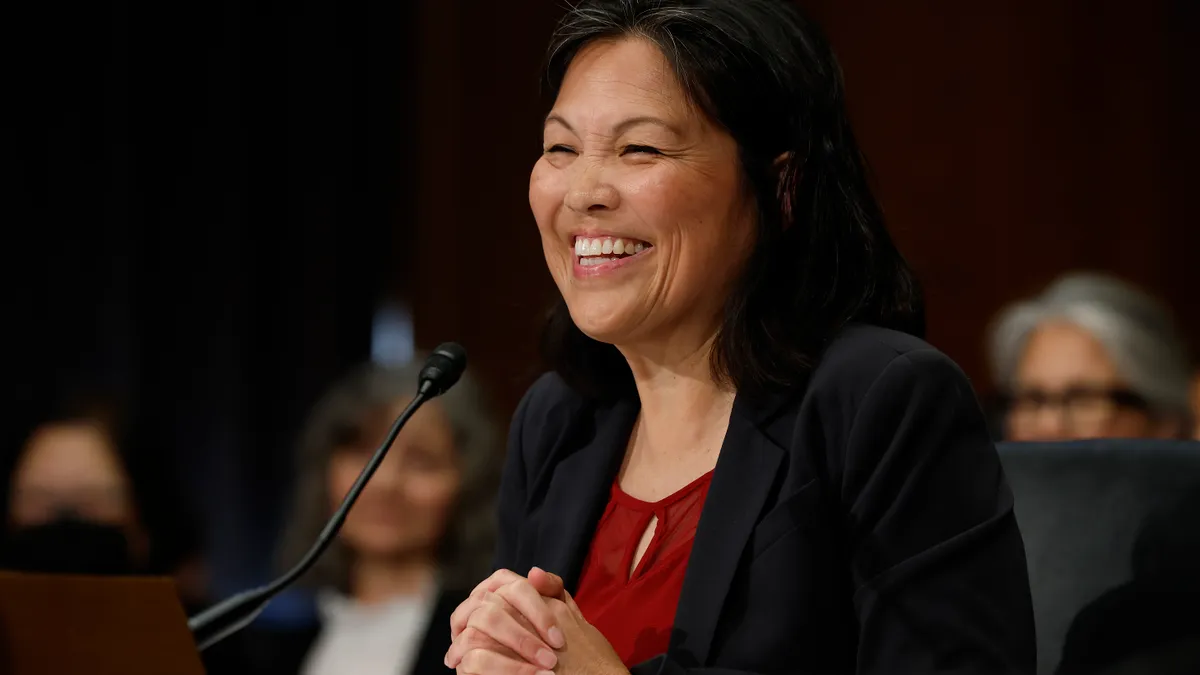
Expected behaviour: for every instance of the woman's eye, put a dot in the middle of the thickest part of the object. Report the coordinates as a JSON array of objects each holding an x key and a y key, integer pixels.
[
  {"x": 558, "y": 148},
  {"x": 640, "y": 149}
]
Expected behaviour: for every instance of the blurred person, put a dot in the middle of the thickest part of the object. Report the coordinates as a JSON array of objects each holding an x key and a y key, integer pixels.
[
  {"x": 418, "y": 538},
  {"x": 1091, "y": 357},
  {"x": 72, "y": 507},
  {"x": 746, "y": 459},
  {"x": 82, "y": 500}
]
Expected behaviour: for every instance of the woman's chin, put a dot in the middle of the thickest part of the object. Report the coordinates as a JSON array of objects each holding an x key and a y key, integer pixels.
[
  {"x": 604, "y": 329},
  {"x": 382, "y": 549}
]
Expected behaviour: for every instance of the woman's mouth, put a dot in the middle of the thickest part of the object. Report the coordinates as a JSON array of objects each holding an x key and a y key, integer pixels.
[{"x": 603, "y": 251}]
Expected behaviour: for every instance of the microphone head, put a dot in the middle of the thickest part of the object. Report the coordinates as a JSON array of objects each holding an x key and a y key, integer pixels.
[{"x": 442, "y": 369}]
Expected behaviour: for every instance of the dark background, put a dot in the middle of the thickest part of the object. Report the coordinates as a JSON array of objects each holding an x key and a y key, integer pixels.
[{"x": 206, "y": 203}]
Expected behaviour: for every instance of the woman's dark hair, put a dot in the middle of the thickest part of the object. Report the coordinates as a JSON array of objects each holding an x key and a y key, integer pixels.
[{"x": 764, "y": 72}]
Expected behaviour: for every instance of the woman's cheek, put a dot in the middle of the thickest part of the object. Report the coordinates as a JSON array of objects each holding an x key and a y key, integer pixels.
[{"x": 546, "y": 192}]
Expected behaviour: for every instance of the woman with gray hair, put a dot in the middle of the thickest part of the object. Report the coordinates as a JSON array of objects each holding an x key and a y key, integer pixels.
[
  {"x": 1091, "y": 357},
  {"x": 418, "y": 538}
]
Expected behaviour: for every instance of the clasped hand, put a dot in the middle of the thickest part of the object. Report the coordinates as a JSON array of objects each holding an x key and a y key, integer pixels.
[{"x": 515, "y": 625}]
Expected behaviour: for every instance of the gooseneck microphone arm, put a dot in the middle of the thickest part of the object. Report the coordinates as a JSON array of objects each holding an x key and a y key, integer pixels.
[{"x": 441, "y": 370}]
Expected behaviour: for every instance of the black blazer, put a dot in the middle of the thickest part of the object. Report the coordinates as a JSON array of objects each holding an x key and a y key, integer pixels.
[
  {"x": 861, "y": 524},
  {"x": 273, "y": 652}
]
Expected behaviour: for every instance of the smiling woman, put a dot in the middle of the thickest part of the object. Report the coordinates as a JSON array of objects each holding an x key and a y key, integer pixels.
[
  {"x": 746, "y": 459},
  {"x": 628, "y": 158}
]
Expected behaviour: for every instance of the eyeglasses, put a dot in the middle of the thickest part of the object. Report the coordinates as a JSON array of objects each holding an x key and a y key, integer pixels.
[{"x": 1082, "y": 408}]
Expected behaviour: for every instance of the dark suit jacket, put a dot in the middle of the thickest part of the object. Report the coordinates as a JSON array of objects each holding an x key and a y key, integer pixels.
[
  {"x": 861, "y": 524},
  {"x": 274, "y": 652}
]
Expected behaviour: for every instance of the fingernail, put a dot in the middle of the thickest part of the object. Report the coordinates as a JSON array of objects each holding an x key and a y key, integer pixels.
[
  {"x": 546, "y": 658},
  {"x": 446, "y": 661},
  {"x": 556, "y": 638}
]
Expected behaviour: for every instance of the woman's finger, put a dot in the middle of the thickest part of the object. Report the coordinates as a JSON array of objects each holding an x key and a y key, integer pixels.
[
  {"x": 548, "y": 584},
  {"x": 484, "y": 662},
  {"x": 494, "y": 620},
  {"x": 473, "y": 639},
  {"x": 570, "y": 602},
  {"x": 526, "y": 600},
  {"x": 458, "y": 619}
]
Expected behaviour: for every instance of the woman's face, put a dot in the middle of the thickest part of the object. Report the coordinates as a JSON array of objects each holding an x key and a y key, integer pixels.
[
  {"x": 70, "y": 468},
  {"x": 639, "y": 200},
  {"x": 1065, "y": 387},
  {"x": 404, "y": 508}
]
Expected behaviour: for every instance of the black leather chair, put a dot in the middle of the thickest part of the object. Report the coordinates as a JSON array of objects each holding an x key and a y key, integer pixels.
[{"x": 1112, "y": 535}]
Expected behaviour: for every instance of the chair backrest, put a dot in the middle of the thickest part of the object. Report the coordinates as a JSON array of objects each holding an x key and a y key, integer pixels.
[{"x": 1081, "y": 507}]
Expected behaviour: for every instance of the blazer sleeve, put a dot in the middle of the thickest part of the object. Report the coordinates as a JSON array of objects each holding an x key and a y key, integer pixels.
[{"x": 937, "y": 561}]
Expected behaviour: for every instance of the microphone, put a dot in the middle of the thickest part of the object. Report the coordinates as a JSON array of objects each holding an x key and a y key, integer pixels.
[{"x": 440, "y": 372}]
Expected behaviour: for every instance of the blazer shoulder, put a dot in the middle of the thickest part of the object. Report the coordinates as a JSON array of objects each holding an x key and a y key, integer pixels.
[
  {"x": 868, "y": 361},
  {"x": 861, "y": 354},
  {"x": 544, "y": 416},
  {"x": 549, "y": 402}
]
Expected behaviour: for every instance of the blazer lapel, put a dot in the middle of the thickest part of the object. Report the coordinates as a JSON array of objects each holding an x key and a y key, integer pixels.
[
  {"x": 746, "y": 469},
  {"x": 578, "y": 493}
]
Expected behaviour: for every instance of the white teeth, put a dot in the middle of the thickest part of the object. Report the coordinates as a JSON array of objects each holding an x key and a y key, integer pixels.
[
  {"x": 607, "y": 246},
  {"x": 595, "y": 260}
]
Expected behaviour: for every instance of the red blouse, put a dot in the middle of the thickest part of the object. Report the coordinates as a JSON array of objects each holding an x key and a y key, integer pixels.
[{"x": 636, "y": 611}]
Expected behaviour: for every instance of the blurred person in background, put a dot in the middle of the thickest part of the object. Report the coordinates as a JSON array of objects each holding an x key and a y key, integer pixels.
[
  {"x": 72, "y": 503},
  {"x": 1091, "y": 357},
  {"x": 417, "y": 540},
  {"x": 81, "y": 500}
]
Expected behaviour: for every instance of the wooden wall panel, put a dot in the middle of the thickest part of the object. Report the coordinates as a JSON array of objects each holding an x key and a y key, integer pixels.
[
  {"x": 1013, "y": 141},
  {"x": 1010, "y": 142},
  {"x": 479, "y": 276}
]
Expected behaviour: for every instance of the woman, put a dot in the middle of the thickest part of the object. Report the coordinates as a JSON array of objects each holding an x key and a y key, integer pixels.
[
  {"x": 1091, "y": 357},
  {"x": 83, "y": 500},
  {"x": 418, "y": 538},
  {"x": 73, "y": 507},
  {"x": 742, "y": 462}
]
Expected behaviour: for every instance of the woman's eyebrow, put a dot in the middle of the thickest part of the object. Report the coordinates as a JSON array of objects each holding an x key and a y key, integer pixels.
[{"x": 622, "y": 126}]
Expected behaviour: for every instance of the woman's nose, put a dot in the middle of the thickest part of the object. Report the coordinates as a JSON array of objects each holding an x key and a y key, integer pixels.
[
  {"x": 590, "y": 191},
  {"x": 1050, "y": 424},
  {"x": 391, "y": 470}
]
